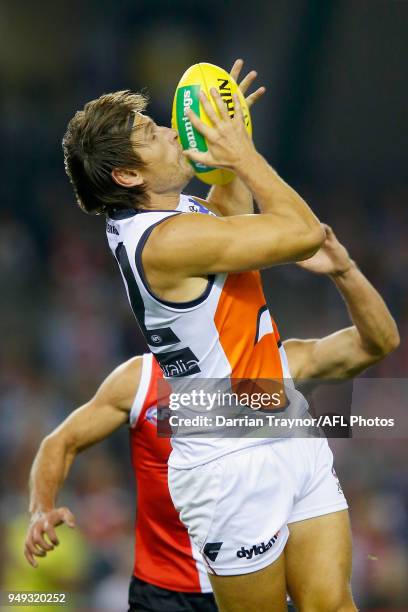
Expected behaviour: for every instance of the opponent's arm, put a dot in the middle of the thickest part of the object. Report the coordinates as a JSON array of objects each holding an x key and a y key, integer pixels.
[
  {"x": 92, "y": 422},
  {"x": 347, "y": 352},
  {"x": 235, "y": 197},
  {"x": 194, "y": 245}
]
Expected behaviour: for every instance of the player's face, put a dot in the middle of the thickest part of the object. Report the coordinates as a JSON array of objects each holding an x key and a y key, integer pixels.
[{"x": 159, "y": 148}]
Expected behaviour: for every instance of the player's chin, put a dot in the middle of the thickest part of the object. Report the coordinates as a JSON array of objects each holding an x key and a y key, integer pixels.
[{"x": 187, "y": 167}]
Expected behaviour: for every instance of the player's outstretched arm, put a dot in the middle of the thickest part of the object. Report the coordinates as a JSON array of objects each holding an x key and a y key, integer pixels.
[
  {"x": 349, "y": 351},
  {"x": 92, "y": 422}
]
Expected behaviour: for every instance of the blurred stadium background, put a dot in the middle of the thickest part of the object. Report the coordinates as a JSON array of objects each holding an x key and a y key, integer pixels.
[{"x": 333, "y": 125}]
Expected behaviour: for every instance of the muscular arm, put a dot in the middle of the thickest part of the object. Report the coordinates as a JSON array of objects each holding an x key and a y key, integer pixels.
[
  {"x": 188, "y": 246},
  {"x": 87, "y": 425},
  {"x": 347, "y": 352}
]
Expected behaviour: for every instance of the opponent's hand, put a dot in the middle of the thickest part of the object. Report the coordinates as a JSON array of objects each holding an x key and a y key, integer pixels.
[
  {"x": 332, "y": 257},
  {"x": 228, "y": 142},
  {"x": 246, "y": 83},
  {"x": 41, "y": 524}
]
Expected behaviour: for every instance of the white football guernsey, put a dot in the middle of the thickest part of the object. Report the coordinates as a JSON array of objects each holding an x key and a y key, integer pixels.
[{"x": 226, "y": 333}]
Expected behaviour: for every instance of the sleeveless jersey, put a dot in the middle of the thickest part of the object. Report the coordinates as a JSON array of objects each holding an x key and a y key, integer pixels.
[
  {"x": 164, "y": 554},
  {"x": 226, "y": 333}
]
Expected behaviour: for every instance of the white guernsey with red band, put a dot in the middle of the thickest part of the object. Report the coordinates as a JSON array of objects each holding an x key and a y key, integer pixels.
[{"x": 164, "y": 553}]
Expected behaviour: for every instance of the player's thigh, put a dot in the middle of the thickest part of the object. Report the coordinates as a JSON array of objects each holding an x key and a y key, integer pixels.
[
  {"x": 263, "y": 590},
  {"x": 318, "y": 563}
]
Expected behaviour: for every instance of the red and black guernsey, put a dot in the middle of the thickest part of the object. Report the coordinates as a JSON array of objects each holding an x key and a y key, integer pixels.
[{"x": 164, "y": 554}]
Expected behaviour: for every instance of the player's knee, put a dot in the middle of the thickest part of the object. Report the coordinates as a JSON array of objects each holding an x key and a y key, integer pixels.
[{"x": 331, "y": 600}]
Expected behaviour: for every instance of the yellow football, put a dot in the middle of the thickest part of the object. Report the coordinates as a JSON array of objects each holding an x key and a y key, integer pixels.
[{"x": 202, "y": 77}]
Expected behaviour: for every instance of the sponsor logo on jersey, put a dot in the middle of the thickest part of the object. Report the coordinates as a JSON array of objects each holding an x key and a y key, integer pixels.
[
  {"x": 111, "y": 229},
  {"x": 197, "y": 207},
  {"x": 161, "y": 336},
  {"x": 211, "y": 550},
  {"x": 178, "y": 363},
  {"x": 256, "y": 549},
  {"x": 151, "y": 415}
]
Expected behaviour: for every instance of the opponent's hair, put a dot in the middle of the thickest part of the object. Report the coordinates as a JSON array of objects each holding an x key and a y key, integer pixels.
[{"x": 97, "y": 140}]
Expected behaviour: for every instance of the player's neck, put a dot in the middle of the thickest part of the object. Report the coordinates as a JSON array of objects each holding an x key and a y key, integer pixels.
[{"x": 163, "y": 201}]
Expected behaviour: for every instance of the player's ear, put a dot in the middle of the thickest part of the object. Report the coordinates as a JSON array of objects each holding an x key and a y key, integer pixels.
[{"x": 127, "y": 178}]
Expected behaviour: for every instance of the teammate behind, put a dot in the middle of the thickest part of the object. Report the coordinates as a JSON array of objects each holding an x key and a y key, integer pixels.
[{"x": 168, "y": 568}]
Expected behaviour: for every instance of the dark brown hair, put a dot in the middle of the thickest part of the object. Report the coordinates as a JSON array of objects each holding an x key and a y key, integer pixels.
[{"x": 97, "y": 140}]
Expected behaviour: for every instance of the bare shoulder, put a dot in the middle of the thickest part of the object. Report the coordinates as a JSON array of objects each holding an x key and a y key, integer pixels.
[
  {"x": 177, "y": 236},
  {"x": 120, "y": 386}
]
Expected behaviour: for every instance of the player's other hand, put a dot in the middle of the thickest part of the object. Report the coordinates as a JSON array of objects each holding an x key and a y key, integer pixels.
[
  {"x": 229, "y": 144},
  {"x": 332, "y": 257},
  {"x": 246, "y": 83},
  {"x": 43, "y": 524}
]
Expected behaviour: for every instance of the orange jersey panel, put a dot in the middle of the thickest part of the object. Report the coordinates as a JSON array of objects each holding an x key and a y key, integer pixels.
[{"x": 249, "y": 336}]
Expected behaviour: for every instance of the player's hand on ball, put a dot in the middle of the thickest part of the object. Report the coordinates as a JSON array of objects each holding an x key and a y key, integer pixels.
[
  {"x": 331, "y": 258},
  {"x": 43, "y": 524},
  {"x": 246, "y": 83},
  {"x": 229, "y": 144}
]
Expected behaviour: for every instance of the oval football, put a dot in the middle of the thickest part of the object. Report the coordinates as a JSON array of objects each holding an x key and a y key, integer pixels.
[{"x": 204, "y": 76}]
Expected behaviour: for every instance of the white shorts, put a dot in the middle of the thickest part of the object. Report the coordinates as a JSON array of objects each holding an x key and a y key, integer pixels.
[{"x": 237, "y": 508}]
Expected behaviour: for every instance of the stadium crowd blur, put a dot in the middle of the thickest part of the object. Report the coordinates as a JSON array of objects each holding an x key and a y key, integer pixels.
[{"x": 331, "y": 123}]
